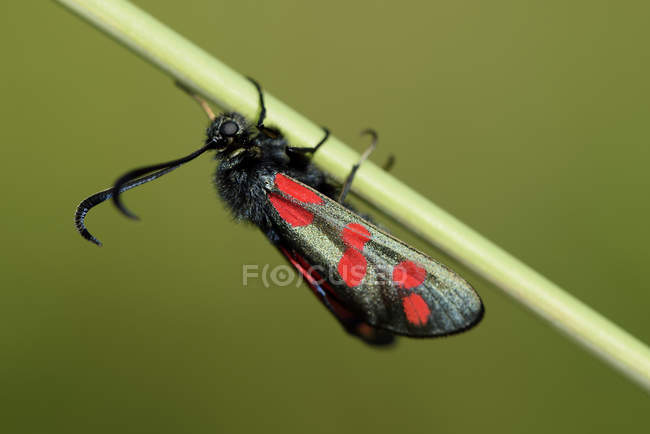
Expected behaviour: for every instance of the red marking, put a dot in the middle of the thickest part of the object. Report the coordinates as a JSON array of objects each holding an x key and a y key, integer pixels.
[
  {"x": 408, "y": 274},
  {"x": 352, "y": 267},
  {"x": 295, "y": 190},
  {"x": 290, "y": 212},
  {"x": 303, "y": 263},
  {"x": 416, "y": 309},
  {"x": 355, "y": 235}
]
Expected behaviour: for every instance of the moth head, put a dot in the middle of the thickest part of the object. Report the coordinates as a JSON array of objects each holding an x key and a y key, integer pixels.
[{"x": 228, "y": 129}]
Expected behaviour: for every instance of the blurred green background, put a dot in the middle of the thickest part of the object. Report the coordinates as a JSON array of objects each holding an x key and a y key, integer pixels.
[{"x": 528, "y": 120}]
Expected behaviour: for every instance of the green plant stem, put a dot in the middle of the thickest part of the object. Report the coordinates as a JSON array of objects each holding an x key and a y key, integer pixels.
[{"x": 189, "y": 64}]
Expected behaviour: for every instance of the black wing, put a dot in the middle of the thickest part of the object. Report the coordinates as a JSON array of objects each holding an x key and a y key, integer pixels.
[{"x": 384, "y": 282}]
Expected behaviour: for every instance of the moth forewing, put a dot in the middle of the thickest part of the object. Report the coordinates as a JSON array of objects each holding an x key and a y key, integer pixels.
[{"x": 390, "y": 284}]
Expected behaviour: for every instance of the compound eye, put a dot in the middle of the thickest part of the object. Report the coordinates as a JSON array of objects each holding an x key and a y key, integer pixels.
[{"x": 228, "y": 128}]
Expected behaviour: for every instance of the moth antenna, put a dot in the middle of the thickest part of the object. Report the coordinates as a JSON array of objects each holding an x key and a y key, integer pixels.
[
  {"x": 97, "y": 198},
  {"x": 132, "y": 175},
  {"x": 202, "y": 102}
]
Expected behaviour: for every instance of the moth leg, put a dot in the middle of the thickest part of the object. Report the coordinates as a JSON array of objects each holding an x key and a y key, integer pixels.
[
  {"x": 269, "y": 131},
  {"x": 262, "y": 116},
  {"x": 313, "y": 149},
  {"x": 348, "y": 181}
]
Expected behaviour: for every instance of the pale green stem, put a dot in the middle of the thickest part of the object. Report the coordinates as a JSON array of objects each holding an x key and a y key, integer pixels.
[{"x": 186, "y": 62}]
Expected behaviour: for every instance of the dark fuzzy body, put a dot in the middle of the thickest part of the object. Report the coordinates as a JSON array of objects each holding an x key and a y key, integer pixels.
[{"x": 248, "y": 166}]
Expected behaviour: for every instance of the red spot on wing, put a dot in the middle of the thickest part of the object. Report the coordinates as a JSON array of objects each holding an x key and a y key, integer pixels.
[
  {"x": 295, "y": 190},
  {"x": 352, "y": 267},
  {"x": 416, "y": 309},
  {"x": 291, "y": 212},
  {"x": 408, "y": 274},
  {"x": 355, "y": 235}
]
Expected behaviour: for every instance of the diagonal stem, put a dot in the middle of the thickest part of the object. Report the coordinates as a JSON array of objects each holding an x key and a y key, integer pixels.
[{"x": 197, "y": 69}]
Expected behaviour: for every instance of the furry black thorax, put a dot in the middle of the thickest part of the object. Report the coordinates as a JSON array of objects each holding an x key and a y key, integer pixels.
[{"x": 248, "y": 163}]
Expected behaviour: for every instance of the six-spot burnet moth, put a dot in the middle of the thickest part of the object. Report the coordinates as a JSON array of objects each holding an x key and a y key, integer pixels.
[{"x": 374, "y": 284}]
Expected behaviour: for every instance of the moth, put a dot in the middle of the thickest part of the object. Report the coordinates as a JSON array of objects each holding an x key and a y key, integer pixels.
[{"x": 375, "y": 285}]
